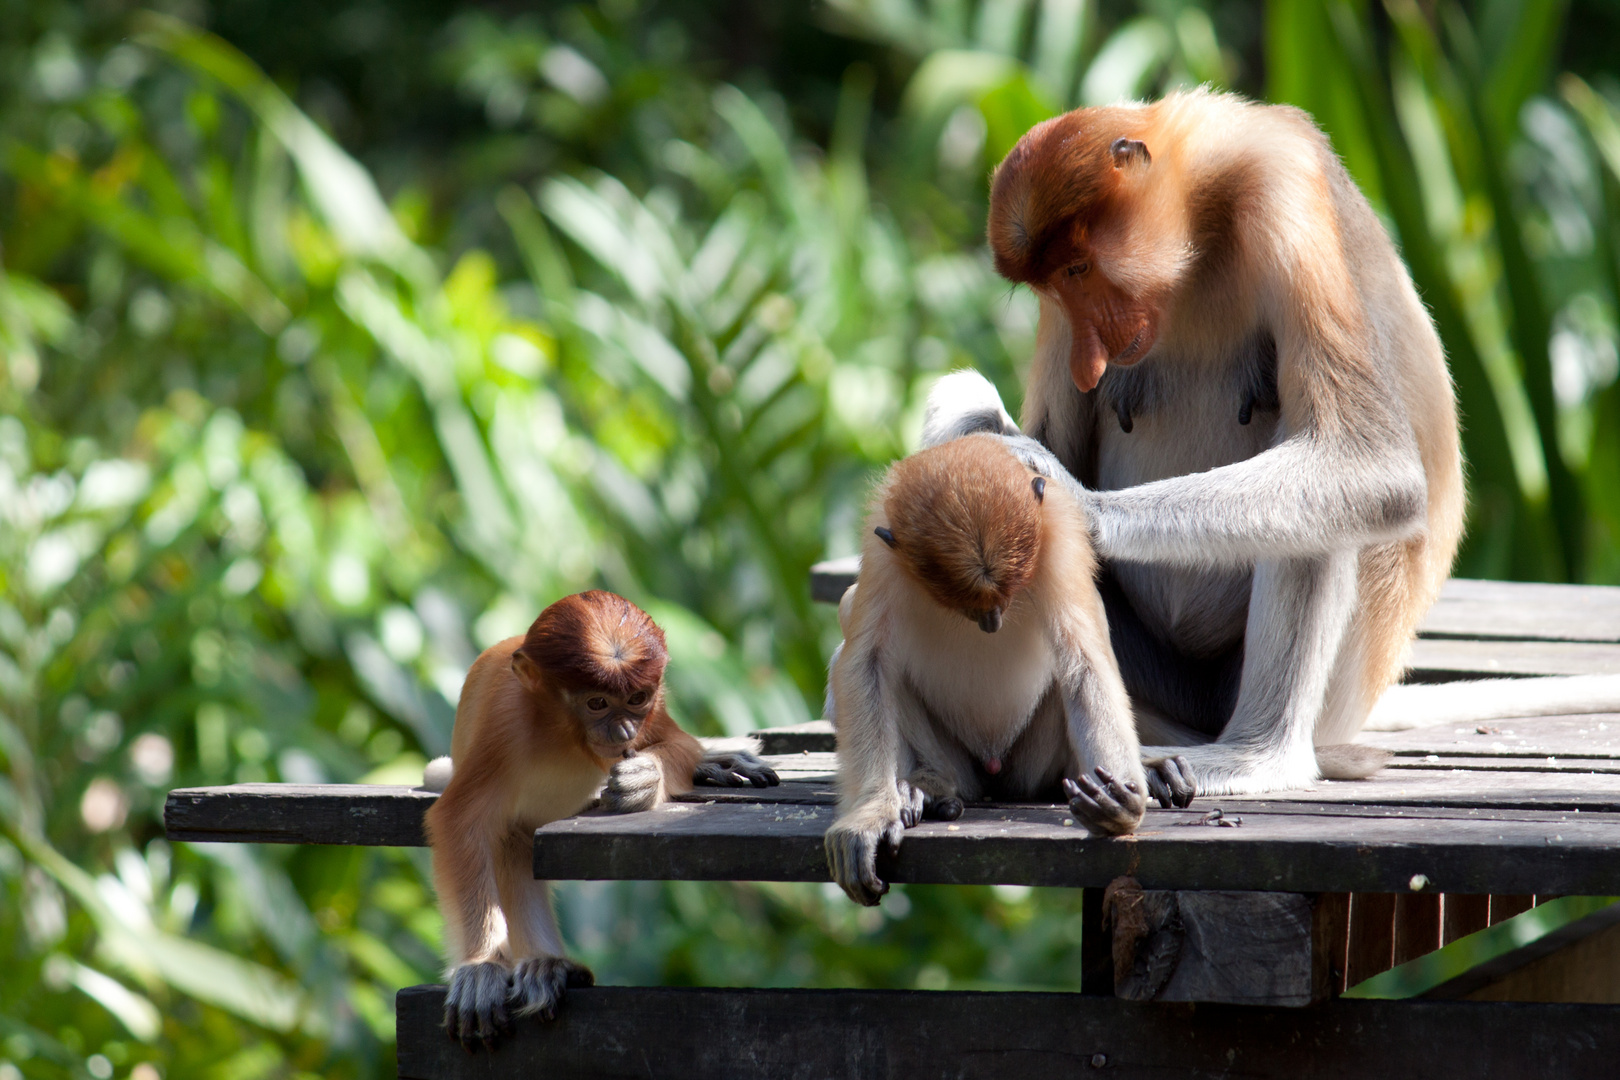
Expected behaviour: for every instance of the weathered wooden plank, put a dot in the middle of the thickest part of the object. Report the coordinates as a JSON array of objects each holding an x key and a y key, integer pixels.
[
  {"x": 1524, "y": 611},
  {"x": 1426, "y": 787},
  {"x": 1417, "y": 925},
  {"x": 1502, "y": 610},
  {"x": 1582, "y": 735},
  {"x": 1330, "y": 936},
  {"x": 1372, "y": 936},
  {"x": 816, "y": 737},
  {"x": 1505, "y": 907},
  {"x": 1445, "y": 659},
  {"x": 1461, "y": 915},
  {"x": 1296, "y": 851},
  {"x": 1241, "y": 948},
  {"x": 691, "y": 1034},
  {"x": 374, "y": 815},
  {"x": 829, "y": 579},
  {"x": 1487, "y": 763},
  {"x": 1578, "y": 962}
]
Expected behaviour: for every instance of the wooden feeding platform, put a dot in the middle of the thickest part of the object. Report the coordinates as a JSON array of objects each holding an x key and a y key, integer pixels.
[{"x": 1239, "y": 920}]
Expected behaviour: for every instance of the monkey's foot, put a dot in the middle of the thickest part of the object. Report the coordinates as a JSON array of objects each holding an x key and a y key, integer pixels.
[
  {"x": 1105, "y": 806},
  {"x": 852, "y": 857},
  {"x": 475, "y": 1008},
  {"x": 634, "y": 784},
  {"x": 1171, "y": 781},
  {"x": 921, "y": 801},
  {"x": 539, "y": 982},
  {"x": 1223, "y": 769},
  {"x": 735, "y": 769},
  {"x": 913, "y": 803}
]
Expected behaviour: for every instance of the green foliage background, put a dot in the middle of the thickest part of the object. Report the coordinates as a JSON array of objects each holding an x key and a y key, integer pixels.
[{"x": 336, "y": 339}]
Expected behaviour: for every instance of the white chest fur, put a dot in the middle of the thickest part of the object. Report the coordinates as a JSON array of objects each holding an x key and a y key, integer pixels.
[
  {"x": 982, "y": 687},
  {"x": 555, "y": 788}
]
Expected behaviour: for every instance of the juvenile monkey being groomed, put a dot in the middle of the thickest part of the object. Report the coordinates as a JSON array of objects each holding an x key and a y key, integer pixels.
[{"x": 976, "y": 661}]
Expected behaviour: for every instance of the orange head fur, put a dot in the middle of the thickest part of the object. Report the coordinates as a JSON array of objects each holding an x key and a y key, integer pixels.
[
  {"x": 1076, "y": 214},
  {"x": 964, "y": 519},
  {"x": 597, "y": 641}
]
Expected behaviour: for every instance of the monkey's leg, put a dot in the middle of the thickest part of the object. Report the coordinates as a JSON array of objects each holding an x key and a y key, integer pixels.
[
  {"x": 465, "y": 850},
  {"x": 937, "y": 797},
  {"x": 541, "y": 973},
  {"x": 1298, "y": 613},
  {"x": 942, "y": 778}
]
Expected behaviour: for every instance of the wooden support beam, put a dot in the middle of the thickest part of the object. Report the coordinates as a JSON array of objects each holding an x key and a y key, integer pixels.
[
  {"x": 1417, "y": 925},
  {"x": 1372, "y": 936},
  {"x": 1578, "y": 962},
  {"x": 1330, "y": 936},
  {"x": 689, "y": 1034},
  {"x": 1245, "y": 948},
  {"x": 1504, "y": 908},
  {"x": 1462, "y": 914}
]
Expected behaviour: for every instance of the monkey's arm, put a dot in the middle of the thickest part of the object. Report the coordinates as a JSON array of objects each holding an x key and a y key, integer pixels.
[
  {"x": 869, "y": 753},
  {"x": 1303, "y": 498},
  {"x": 464, "y": 836},
  {"x": 1108, "y": 792},
  {"x": 660, "y": 769}
]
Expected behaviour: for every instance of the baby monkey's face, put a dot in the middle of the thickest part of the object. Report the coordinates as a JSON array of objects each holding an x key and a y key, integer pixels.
[{"x": 611, "y": 720}]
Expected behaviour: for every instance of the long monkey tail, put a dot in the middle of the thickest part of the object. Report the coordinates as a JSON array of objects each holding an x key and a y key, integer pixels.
[{"x": 1405, "y": 707}]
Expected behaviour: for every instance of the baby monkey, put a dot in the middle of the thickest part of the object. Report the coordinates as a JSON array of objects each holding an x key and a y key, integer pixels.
[
  {"x": 543, "y": 721},
  {"x": 976, "y": 660}
]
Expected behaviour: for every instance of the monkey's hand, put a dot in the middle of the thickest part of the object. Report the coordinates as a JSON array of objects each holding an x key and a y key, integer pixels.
[
  {"x": 538, "y": 984},
  {"x": 1170, "y": 780},
  {"x": 475, "y": 1008},
  {"x": 635, "y": 783},
  {"x": 852, "y": 847},
  {"x": 1105, "y": 806},
  {"x": 734, "y": 769}
]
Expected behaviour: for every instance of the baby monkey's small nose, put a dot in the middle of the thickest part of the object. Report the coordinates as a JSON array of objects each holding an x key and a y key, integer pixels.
[{"x": 990, "y": 621}]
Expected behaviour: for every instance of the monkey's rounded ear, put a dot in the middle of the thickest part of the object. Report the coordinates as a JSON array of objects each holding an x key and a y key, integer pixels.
[
  {"x": 526, "y": 670},
  {"x": 1130, "y": 152},
  {"x": 885, "y": 535},
  {"x": 1039, "y": 486}
]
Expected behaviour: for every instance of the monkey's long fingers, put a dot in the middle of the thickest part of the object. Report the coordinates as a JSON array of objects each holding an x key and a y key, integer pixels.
[
  {"x": 852, "y": 861},
  {"x": 1172, "y": 781},
  {"x": 475, "y": 1008},
  {"x": 1085, "y": 805},
  {"x": 912, "y": 801},
  {"x": 1158, "y": 788}
]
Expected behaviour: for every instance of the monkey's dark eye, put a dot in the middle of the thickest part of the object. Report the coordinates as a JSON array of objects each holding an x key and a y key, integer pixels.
[
  {"x": 638, "y": 698},
  {"x": 596, "y": 704},
  {"x": 1080, "y": 268}
]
